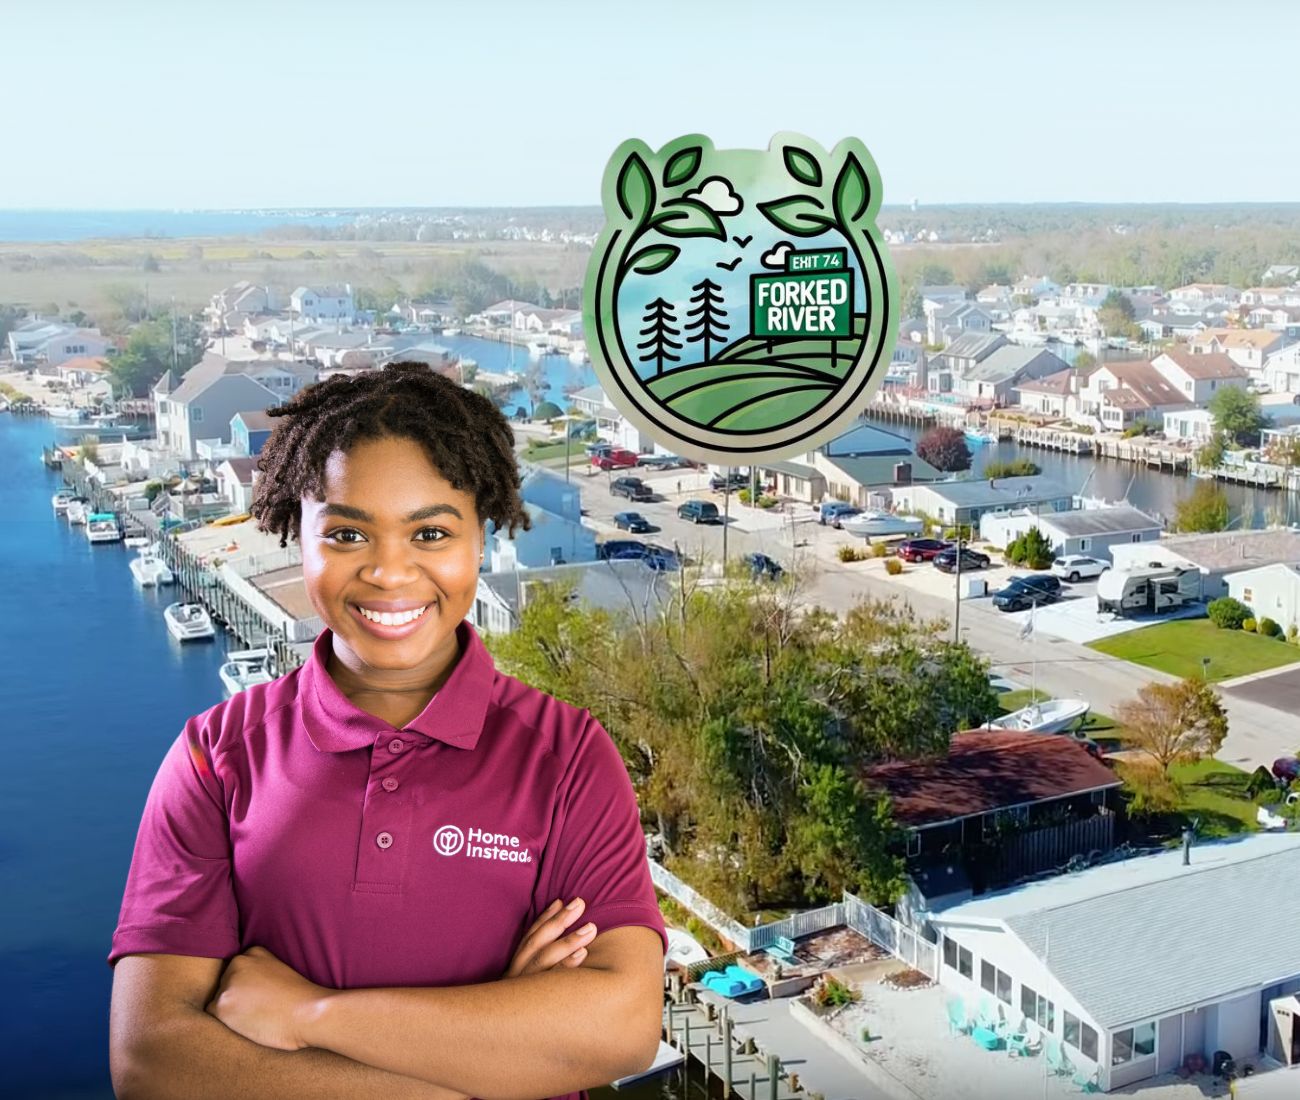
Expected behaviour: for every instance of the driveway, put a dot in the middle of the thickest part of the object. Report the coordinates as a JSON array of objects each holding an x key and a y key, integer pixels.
[{"x": 1280, "y": 690}]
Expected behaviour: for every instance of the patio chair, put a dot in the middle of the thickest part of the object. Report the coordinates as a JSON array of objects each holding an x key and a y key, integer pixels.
[
  {"x": 1022, "y": 1046},
  {"x": 988, "y": 1015},
  {"x": 1057, "y": 1062},
  {"x": 958, "y": 1023},
  {"x": 1086, "y": 1082}
]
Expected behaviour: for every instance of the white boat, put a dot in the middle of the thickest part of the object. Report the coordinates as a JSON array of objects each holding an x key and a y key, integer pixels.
[
  {"x": 188, "y": 622},
  {"x": 868, "y": 525},
  {"x": 70, "y": 413},
  {"x": 451, "y": 332},
  {"x": 245, "y": 667},
  {"x": 537, "y": 348},
  {"x": 102, "y": 527},
  {"x": 136, "y": 542},
  {"x": 77, "y": 510},
  {"x": 1049, "y": 716},
  {"x": 149, "y": 570},
  {"x": 60, "y": 501},
  {"x": 979, "y": 436}
]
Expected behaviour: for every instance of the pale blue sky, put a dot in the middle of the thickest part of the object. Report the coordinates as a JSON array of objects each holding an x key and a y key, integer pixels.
[{"x": 143, "y": 104}]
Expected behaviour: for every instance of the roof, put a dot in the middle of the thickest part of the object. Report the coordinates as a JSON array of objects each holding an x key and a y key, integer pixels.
[
  {"x": 1276, "y": 573},
  {"x": 958, "y": 309},
  {"x": 866, "y": 439},
  {"x": 879, "y": 469},
  {"x": 592, "y": 394},
  {"x": 324, "y": 291},
  {"x": 1006, "y": 362},
  {"x": 257, "y": 420},
  {"x": 243, "y": 469},
  {"x": 1239, "y": 337},
  {"x": 987, "y": 770},
  {"x": 86, "y": 363},
  {"x": 209, "y": 370},
  {"x": 1206, "y": 364},
  {"x": 1057, "y": 383},
  {"x": 1007, "y": 491},
  {"x": 1149, "y": 909},
  {"x": 944, "y": 290},
  {"x": 613, "y": 585},
  {"x": 511, "y": 305},
  {"x": 974, "y": 345},
  {"x": 1116, "y": 519},
  {"x": 165, "y": 384},
  {"x": 793, "y": 469},
  {"x": 1142, "y": 386},
  {"x": 1243, "y": 549}
]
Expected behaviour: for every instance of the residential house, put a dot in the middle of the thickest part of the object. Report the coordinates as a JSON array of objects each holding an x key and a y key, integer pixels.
[
  {"x": 53, "y": 343},
  {"x": 614, "y": 586},
  {"x": 1189, "y": 425},
  {"x": 558, "y": 534},
  {"x": 591, "y": 401},
  {"x": 265, "y": 328},
  {"x": 934, "y": 297},
  {"x": 1052, "y": 394},
  {"x": 231, "y": 307},
  {"x": 205, "y": 401},
  {"x": 1198, "y": 377},
  {"x": 1282, "y": 409},
  {"x": 1173, "y": 326},
  {"x": 945, "y": 371},
  {"x": 995, "y": 294},
  {"x": 1247, "y": 347},
  {"x": 907, "y": 366},
  {"x": 323, "y": 305},
  {"x": 1091, "y": 530},
  {"x": 966, "y": 501},
  {"x": 945, "y": 323},
  {"x": 235, "y": 477},
  {"x": 1035, "y": 287},
  {"x": 1270, "y": 296},
  {"x": 1099, "y": 960},
  {"x": 1049, "y": 793},
  {"x": 1275, "y": 273},
  {"x": 556, "y": 322},
  {"x": 1270, "y": 591},
  {"x": 1283, "y": 319},
  {"x": 863, "y": 466},
  {"x": 504, "y": 314},
  {"x": 250, "y": 430},
  {"x": 83, "y": 371},
  {"x": 994, "y": 379},
  {"x": 1282, "y": 369},
  {"x": 1122, "y": 392},
  {"x": 1205, "y": 292},
  {"x": 1215, "y": 556}
]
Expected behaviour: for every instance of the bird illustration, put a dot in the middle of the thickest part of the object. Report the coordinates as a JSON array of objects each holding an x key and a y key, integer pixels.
[
  {"x": 742, "y": 241},
  {"x": 730, "y": 266}
]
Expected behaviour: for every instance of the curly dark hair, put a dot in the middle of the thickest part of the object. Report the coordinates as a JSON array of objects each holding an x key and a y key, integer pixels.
[{"x": 465, "y": 435}]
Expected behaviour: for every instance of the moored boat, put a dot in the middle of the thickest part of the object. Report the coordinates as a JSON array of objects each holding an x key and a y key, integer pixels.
[
  {"x": 187, "y": 622},
  {"x": 103, "y": 527},
  {"x": 61, "y": 500},
  {"x": 245, "y": 667},
  {"x": 149, "y": 570}
]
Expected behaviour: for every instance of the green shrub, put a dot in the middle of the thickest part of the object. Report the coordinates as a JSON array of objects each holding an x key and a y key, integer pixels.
[
  {"x": 1031, "y": 549},
  {"x": 1227, "y": 613},
  {"x": 879, "y": 550},
  {"x": 744, "y": 496},
  {"x": 1269, "y": 628},
  {"x": 1016, "y": 467},
  {"x": 850, "y": 553},
  {"x": 1292, "y": 633},
  {"x": 1248, "y": 625},
  {"x": 152, "y": 489},
  {"x": 893, "y": 567},
  {"x": 767, "y": 502}
]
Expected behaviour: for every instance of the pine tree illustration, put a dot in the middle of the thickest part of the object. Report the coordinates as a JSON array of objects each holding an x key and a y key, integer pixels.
[
  {"x": 659, "y": 319},
  {"x": 708, "y": 324}
]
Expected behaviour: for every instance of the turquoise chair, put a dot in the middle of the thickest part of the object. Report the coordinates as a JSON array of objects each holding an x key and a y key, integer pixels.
[
  {"x": 958, "y": 1023},
  {"x": 1086, "y": 1082},
  {"x": 1057, "y": 1062}
]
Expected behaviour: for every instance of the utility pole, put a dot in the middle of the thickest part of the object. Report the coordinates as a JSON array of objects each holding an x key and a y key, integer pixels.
[
  {"x": 726, "y": 516},
  {"x": 956, "y": 612}
]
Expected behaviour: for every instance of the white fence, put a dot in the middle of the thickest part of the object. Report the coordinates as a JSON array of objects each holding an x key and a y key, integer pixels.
[
  {"x": 882, "y": 930},
  {"x": 698, "y": 904}
]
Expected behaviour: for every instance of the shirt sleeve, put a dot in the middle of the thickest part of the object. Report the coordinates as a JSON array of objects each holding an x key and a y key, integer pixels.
[
  {"x": 179, "y": 897},
  {"x": 597, "y": 850}
]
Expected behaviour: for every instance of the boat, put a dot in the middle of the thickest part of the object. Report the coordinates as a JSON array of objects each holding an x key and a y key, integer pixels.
[
  {"x": 135, "y": 542},
  {"x": 102, "y": 527},
  {"x": 876, "y": 524},
  {"x": 60, "y": 501},
  {"x": 187, "y": 622},
  {"x": 150, "y": 570},
  {"x": 245, "y": 667},
  {"x": 979, "y": 436},
  {"x": 70, "y": 413},
  {"x": 77, "y": 510},
  {"x": 1049, "y": 716}
]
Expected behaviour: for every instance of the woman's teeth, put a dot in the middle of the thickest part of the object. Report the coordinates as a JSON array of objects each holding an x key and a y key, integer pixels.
[{"x": 389, "y": 618}]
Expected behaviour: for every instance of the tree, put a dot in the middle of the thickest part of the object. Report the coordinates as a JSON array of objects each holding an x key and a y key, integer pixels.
[
  {"x": 10, "y": 318},
  {"x": 1016, "y": 467},
  {"x": 1237, "y": 415},
  {"x": 1173, "y": 722},
  {"x": 659, "y": 320},
  {"x": 708, "y": 324},
  {"x": 936, "y": 275},
  {"x": 945, "y": 449},
  {"x": 149, "y": 352},
  {"x": 1031, "y": 549},
  {"x": 1205, "y": 509},
  {"x": 1211, "y": 456},
  {"x": 1084, "y": 361},
  {"x": 1116, "y": 315},
  {"x": 547, "y": 411}
]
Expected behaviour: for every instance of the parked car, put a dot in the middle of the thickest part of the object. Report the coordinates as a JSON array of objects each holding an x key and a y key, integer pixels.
[
  {"x": 599, "y": 448},
  {"x": 659, "y": 461},
  {"x": 631, "y": 487},
  {"x": 632, "y": 521},
  {"x": 662, "y": 560},
  {"x": 615, "y": 459},
  {"x": 613, "y": 549},
  {"x": 1075, "y": 567},
  {"x": 1031, "y": 591},
  {"x": 720, "y": 482},
  {"x": 946, "y": 560},
  {"x": 829, "y": 510},
  {"x": 764, "y": 567},
  {"x": 699, "y": 511},
  {"x": 1287, "y": 768},
  {"x": 921, "y": 549}
]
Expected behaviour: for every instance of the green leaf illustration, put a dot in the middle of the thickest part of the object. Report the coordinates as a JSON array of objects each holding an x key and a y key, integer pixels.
[
  {"x": 636, "y": 189},
  {"x": 852, "y": 192},
  {"x": 802, "y": 165},
  {"x": 688, "y": 218},
  {"x": 682, "y": 165},
  {"x": 651, "y": 261},
  {"x": 798, "y": 214}
]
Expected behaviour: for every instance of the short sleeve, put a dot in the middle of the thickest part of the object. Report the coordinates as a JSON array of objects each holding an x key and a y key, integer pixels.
[
  {"x": 179, "y": 898},
  {"x": 597, "y": 850}
]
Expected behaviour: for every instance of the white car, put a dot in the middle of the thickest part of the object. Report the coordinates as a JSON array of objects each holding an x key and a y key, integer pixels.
[{"x": 1076, "y": 567}]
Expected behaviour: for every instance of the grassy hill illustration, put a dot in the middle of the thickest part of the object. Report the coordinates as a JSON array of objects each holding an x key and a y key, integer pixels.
[{"x": 757, "y": 384}]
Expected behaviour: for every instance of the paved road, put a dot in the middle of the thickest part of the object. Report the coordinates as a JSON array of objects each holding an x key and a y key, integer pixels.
[{"x": 1257, "y": 733}]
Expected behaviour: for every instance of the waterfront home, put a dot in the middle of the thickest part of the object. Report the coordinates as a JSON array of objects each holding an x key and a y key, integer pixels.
[
  {"x": 323, "y": 305},
  {"x": 235, "y": 478},
  {"x": 1119, "y": 393},
  {"x": 1136, "y": 964},
  {"x": 966, "y": 501},
  {"x": 231, "y": 307},
  {"x": 206, "y": 400},
  {"x": 999, "y": 804},
  {"x": 993, "y": 380},
  {"x": 1173, "y": 326},
  {"x": 1215, "y": 556},
  {"x": 1035, "y": 287},
  {"x": 249, "y": 431},
  {"x": 1090, "y": 530},
  {"x": 1271, "y": 591},
  {"x": 1247, "y": 347},
  {"x": 53, "y": 343},
  {"x": 935, "y": 297},
  {"x": 945, "y": 323},
  {"x": 591, "y": 401},
  {"x": 1055, "y": 394},
  {"x": 83, "y": 371},
  {"x": 1198, "y": 377},
  {"x": 907, "y": 365},
  {"x": 1282, "y": 410},
  {"x": 511, "y": 313},
  {"x": 1189, "y": 425},
  {"x": 945, "y": 371},
  {"x": 865, "y": 464},
  {"x": 614, "y": 586},
  {"x": 1205, "y": 292},
  {"x": 1282, "y": 369}
]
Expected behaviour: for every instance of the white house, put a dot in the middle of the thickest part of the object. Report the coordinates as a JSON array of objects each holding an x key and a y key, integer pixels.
[
  {"x": 1271, "y": 591},
  {"x": 1092, "y": 531},
  {"x": 1205, "y": 292},
  {"x": 1189, "y": 425},
  {"x": 558, "y": 534},
  {"x": 83, "y": 371},
  {"x": 610, "y": 585},
  {"x": 1119, "y": 393},
  {"x": 327, "y": 304},
  {"x": 1282, "y": 370},
  {"x": 944, "y": 323},
  {"x": 1247, "y": 347},
  {"x": 995, "y": 378},
  {"x": 1215, "y": 556},
  {"x": 235, "y": 477},
  {"x": 1200, "y": 377},
  {"x": 1195, "y": 947},
  {"x": 1035, "y": 286},
  {"x": 967, "y": 501},
  {"x": 54, "y": 343}
]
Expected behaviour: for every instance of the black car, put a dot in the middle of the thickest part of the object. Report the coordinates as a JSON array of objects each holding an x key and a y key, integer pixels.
[
  {"x": 631, "y": 487},
  {"x": 722, "y": 481},
  {"x": 699, "y": 511},
  {"x": 946, "y": 560},
  {"x": 1031, "y": 591},
  {"x": 764, "y": 567},
  {"x": 632, "y": 521},
  {"x": 661, "y": 560},
  {"x": 612, "y": 549}
]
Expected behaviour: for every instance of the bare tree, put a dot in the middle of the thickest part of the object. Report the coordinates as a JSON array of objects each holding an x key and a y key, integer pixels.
[{"x": 1173, "y": 722}]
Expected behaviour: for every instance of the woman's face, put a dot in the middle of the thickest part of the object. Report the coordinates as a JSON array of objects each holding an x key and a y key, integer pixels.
[{"x": 391, "y": 555}]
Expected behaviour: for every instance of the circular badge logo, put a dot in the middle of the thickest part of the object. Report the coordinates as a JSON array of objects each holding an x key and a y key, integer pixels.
[
  {"x": 738, "y": 305},
  {"x": 448, "y": 840}
]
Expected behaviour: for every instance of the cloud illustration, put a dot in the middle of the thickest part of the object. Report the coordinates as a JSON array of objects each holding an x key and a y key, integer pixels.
[
  {"x": 717, "y": 195},
  {"x": 775, "y": 257}
]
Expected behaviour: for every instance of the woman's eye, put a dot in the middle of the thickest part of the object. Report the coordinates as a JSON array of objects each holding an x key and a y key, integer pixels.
[
  {"x": 344, "y": 535},
  {"x": 430, "y": 531}
]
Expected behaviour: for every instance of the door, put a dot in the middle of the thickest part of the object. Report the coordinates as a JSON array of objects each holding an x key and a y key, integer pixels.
[{"x": 1168, "y": 1044}]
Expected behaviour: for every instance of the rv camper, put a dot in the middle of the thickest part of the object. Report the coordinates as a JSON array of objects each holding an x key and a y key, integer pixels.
[{"x": 1151, "y": 589}]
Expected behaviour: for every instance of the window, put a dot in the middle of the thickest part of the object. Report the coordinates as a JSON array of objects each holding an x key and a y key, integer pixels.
[
  {"x": 1085, "y": 545},
  {"x": 957, "y": 957},
  {"x": 196, "y": 413},
  {"x": 1247, "y": 595},
  {"x": 995, "y": 981},
  {"x": 1037, "y": 1008},
  {"x": 1133, "y": 1042},
  {"x": 1137, "y": 537},
  {"x": 913, "y": 844},
  {"x": 1080, "y": 1036},
  {"x": 1187, "y": 386}
]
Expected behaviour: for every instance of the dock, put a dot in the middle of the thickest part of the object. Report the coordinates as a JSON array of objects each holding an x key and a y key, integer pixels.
[{"x": 724, "y": 1064}]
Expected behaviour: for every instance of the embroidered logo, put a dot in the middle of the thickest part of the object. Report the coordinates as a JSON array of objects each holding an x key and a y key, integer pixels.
[{"x": 449, "y": 840}]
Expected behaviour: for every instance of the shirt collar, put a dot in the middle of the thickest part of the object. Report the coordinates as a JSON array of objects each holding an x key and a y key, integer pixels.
[{"x": 454, "y": 715}]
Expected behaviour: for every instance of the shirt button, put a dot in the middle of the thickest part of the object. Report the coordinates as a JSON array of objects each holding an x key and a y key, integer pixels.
[
  {"x": 384, "y": 840},
  {"x": 396, "y": 745},
  {"x": 389, "y": 784}
]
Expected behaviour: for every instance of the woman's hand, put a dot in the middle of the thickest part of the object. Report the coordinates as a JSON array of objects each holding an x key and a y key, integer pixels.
[
  {"x": 264, "y": 1000},
  {"x": 545, "y": 945}
]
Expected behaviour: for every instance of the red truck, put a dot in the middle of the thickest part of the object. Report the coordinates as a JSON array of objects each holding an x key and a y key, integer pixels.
[{"x": 614, "y": 460}]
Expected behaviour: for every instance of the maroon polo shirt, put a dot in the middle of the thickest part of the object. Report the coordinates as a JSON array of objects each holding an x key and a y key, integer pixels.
[{"x": 364, "y": 855}]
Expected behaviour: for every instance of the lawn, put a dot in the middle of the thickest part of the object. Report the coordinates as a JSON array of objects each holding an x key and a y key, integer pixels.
[
  {"x": 1177, "y": 648},
  {"x": 536, "y": 452},
  {"x": 1101, "y": 728}
]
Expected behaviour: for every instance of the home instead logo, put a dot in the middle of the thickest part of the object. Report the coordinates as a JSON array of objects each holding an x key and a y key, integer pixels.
[
  {"x": 739, "y": 303},
  {"x": 449, "y": 840}
]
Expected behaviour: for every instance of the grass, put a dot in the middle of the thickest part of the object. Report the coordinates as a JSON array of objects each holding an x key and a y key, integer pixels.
[
  {"x": 539, "y": 452},
  {"x": 1177, "y": 648}
]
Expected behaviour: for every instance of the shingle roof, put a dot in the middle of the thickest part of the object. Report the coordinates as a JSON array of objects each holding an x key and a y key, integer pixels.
[
  {"x": 1206, "y": 365},
  {"x": 1142, "y": 386},
  {"x": 974, "y": 345},
  {"x": 1239, "y": 337},
  {"x": 256, "y": 420},
  {"x": 1117, "y": 519},
  {"x": 1057, "y": 383},
  {"x": 1007, "y": 491},
  {"x": 1007, "y": 362},
  {"x": 879, "y": 469},
  {"x": 987, "y": 770},
  {"x": 1240, "y": 549},
  {"x": 1195, "y": 934}
]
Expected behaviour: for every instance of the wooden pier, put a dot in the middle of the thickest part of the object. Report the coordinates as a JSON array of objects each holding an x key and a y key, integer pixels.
[
  {"x": 728, "y": 1067},
  {"x": 900, "y": 414},
  {"x": 1051, "y": 439}
]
